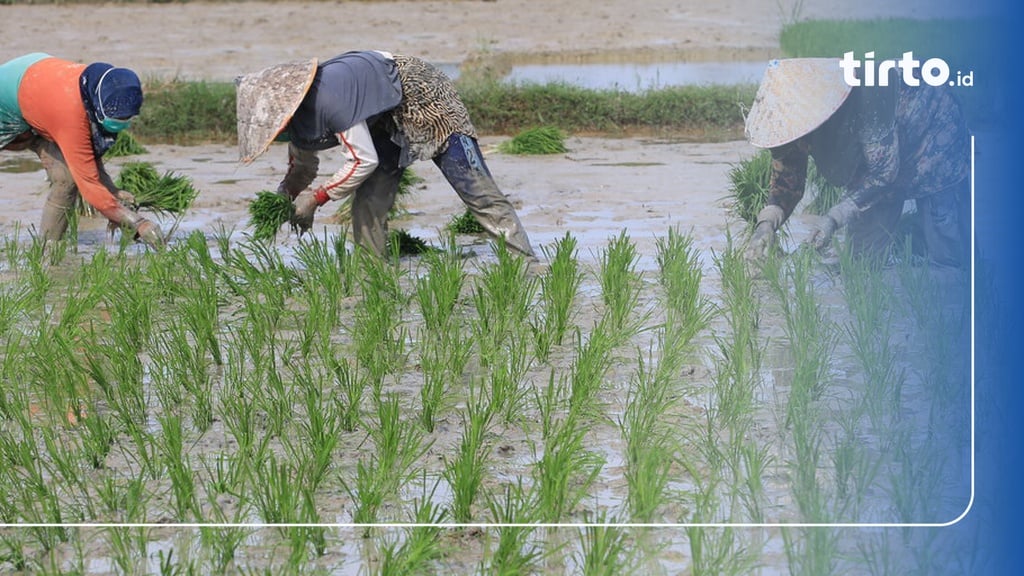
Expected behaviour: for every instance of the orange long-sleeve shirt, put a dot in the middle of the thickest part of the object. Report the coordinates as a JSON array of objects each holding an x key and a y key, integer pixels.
[{"x": 51, "y": 103}]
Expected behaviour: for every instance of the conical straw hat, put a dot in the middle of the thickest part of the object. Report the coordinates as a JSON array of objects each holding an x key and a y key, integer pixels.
[
  {"x": 266, "y": 101},
  {"x": 795, "y": 97}
]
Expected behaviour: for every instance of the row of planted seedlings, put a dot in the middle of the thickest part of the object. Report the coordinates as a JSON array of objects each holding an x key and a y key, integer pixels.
[
  {"x": 873, "y": 412},
  {"x": 225, "y": 384}
]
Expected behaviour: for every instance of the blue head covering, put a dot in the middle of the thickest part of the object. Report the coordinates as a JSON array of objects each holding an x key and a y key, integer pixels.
[{"x": 110, "y": 92}]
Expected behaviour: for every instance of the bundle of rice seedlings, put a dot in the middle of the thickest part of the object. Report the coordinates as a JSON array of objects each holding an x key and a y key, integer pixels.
[
  {"x": 750, "y": 182},
  {"x": 543, "y": 140},
  {"x": 465, "y": 223},
  {"x": 165, "y": 194},
  {"x": 408, "y": 245},
  {"x": 125, "y": 145},
  {"x": 268, "y": 212}
]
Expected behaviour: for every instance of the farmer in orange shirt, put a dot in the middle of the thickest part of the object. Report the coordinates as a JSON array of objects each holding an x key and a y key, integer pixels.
[{"x": 69, "y": 114}]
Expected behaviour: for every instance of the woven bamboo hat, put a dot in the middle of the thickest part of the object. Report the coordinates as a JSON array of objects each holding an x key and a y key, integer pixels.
[
  {"x": 795, "y": 96},
  {"x": 266, "y": 101}
]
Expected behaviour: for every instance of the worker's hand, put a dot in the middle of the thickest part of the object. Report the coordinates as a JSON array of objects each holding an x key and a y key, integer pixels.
[
  {"x": 149, "y": 233},
  {"x": 763, "y": 239},
  {"x": 821, "y": 234},
  {"x": 125, "y": 197},
  {"x": 837, "y": 217},
  {"x": 760, "y": 243},
  {"x": 282, "y": 190},
  {"x": 305, "y": 207}
]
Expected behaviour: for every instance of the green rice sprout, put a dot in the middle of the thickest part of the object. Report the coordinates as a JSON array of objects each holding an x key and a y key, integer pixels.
[
  {"x": 541, "y": 140},
  {"x": 465, "y": 223},
  {"x": 125, "y": 145},
  {"x": 162, "y": 194},
  {"x": 268, "y": 212}
]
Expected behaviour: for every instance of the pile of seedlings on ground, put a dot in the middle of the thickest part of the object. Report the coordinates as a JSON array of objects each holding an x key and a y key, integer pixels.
[
  {"x": 542, "y": 140},
  {"x": 465, "y": 223}
]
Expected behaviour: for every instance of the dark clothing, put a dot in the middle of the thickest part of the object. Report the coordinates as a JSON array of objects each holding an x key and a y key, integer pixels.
[
  {"x": 925, "y": 153},
  {"x": 347, "y": 89}
]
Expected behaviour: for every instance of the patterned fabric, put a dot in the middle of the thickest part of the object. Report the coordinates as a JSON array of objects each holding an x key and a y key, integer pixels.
[
  {"x": 431, "y": 111},
  {"x": 928, "y": 151}
]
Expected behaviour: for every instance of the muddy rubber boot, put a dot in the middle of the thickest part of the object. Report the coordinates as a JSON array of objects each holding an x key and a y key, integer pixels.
[
  {"x": 370, "y": 205},
  {"x": 463, "y": 166},
  {"x": 61, "y": 201}
]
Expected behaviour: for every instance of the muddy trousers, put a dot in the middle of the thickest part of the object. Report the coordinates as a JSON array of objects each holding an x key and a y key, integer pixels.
[
  {"x": 63, "y": 198},
  {"x": 463, "y": 166},
  {"x": 940, "y": 231}
]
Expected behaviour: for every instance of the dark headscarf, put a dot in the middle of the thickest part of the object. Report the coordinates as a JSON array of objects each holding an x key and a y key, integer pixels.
[{"x": 109, "y": 92}]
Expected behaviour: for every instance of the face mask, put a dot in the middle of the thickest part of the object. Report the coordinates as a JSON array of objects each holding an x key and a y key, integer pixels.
[{"x": 113, "y": 125}]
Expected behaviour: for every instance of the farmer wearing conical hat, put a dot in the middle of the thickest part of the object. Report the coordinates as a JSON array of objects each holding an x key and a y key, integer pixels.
[
  {"x": 384, "y": 111},
  {"x": 69, "y": 114},
  {"x": 884, "y": 145}
]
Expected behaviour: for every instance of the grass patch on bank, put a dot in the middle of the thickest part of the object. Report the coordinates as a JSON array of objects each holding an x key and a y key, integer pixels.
[{"x": 182, "y": 112}]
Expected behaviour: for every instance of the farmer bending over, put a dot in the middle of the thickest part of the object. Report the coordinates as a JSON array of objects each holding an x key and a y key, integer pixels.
[
  {"x": 884, "y": 145},
  {"x": 385, "y": 112},
  {"x": 69, "y": 114}
]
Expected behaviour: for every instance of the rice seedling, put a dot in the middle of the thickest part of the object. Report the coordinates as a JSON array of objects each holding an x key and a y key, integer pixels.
[
  {"x": 605, "y": 550},
  {"x": 168, "y": 193},
  {"x": 377, "y": 330},
  {"x": 559, "y": 288},
  {"x": 621, "y": 284},
  {"x": 503, "y": 295},
  {"x": 465, "y": 223},
  {"x": 869, "y": 334},
  {"x": 811, "y": 550},
  {"x": 650, "y": 444},
  {"x": 183, "y": 486},
  {"x": 740, "y": 353},
  {"x": 565, "y": 470},
  {"x": 420, "y": 545},
  {"x": 444, "y": 349},
  {"x": 539, "y": 140},
  {"x": 278, "y": 495},
  {"x": 515, "y": 553},
  {"x": 268, "y": 212},
  {"x": 351, "y": 389},
  {"x": 223, "y": 545},
  {"x": 128, "y": 548},
  {"x": 320, "y": 427},
  {"x": 124, "y": 145},
  {"x": 398, "y": 445},
  {"x": 465, "y": 471}
]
